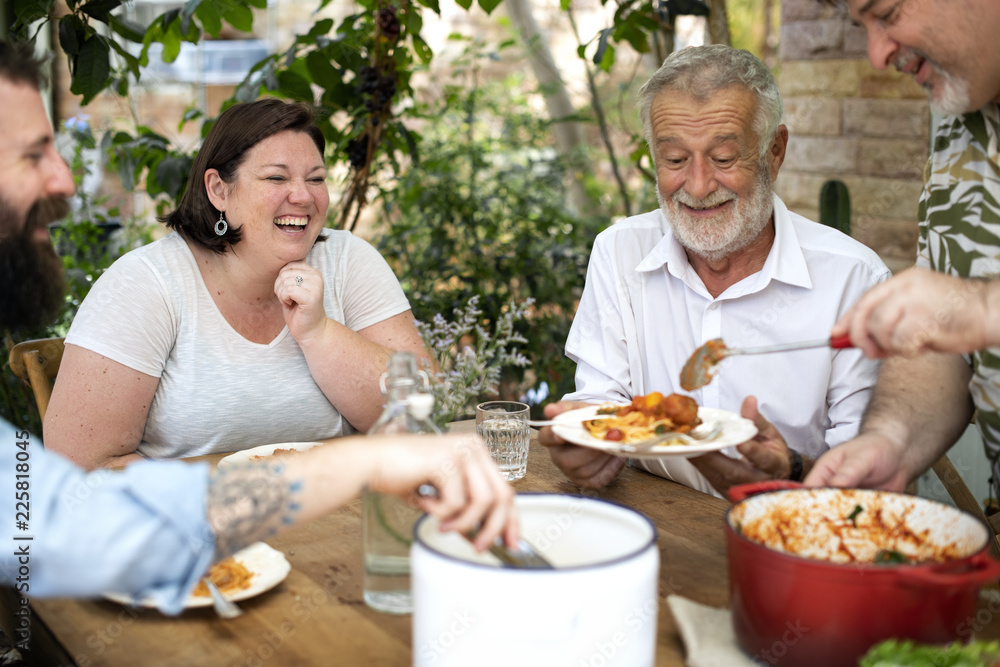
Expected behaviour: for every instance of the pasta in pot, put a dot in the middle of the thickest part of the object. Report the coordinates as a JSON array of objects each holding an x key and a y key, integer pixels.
[{"x": 645, "y": 417}]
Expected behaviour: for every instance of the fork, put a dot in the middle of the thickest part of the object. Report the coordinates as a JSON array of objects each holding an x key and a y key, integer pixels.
[
  {"x": 224, "y": 607},
  {"x": 524, "y": 556},
  {"x": 687, "y": 439}
]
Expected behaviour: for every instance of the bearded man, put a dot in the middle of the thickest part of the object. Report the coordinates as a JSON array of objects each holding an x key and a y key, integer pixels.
[
  {"x": 937, "y": 325},
  {"x": 722, "y": 258}
]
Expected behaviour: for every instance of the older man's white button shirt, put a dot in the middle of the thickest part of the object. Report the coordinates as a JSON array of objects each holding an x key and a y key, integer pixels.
[{"x": 644, "y": 310}]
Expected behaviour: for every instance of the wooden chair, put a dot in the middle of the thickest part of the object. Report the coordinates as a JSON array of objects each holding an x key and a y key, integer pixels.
[
  {"x": 965, "y": 499},
  {"x": 37, "y": 362}
]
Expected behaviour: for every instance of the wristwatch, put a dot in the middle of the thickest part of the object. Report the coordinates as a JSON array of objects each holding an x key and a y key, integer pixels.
[{"x": 795, "y": 459}]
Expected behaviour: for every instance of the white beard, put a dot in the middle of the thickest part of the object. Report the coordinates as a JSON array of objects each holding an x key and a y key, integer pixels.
[
  {"x": 726, "y": 233},
  {"x": 953, "y": 98}
]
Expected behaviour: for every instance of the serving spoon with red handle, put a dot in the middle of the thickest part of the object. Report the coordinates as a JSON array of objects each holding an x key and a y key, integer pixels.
[{"x": 698, "y": 369}]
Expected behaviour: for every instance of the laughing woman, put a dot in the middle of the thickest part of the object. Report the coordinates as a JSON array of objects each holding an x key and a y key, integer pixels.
[{"x": 250, "y": 324}]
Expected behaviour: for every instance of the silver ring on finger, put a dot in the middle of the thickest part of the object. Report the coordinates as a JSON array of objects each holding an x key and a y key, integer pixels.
[{"x": 298, "y": 281}]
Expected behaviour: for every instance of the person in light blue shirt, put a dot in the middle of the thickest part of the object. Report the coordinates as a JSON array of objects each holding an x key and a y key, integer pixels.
[{"x": 152, "y": 529}]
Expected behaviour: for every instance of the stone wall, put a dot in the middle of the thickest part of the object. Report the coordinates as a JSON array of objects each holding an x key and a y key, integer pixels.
[{"x": 848, "y": 121}]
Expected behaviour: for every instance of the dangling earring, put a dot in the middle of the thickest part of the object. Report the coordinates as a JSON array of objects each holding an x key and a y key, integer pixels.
[{"x": 221, "y": 226}]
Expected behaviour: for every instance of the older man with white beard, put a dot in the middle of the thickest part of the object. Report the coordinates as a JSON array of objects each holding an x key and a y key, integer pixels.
[{"x": 722, "y": 258}]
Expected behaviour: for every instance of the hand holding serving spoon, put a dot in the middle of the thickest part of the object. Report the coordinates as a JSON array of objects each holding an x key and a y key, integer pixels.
[{"x": 700, "y": 367}]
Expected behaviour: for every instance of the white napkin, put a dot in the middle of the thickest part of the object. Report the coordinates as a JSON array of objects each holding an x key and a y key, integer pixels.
[{"x": 708, "y": 635}]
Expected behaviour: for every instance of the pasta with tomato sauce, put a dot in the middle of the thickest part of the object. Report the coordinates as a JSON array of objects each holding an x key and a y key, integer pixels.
[
  {"x": 645, "y": 417},
  {"x": 228, "y": 574}
]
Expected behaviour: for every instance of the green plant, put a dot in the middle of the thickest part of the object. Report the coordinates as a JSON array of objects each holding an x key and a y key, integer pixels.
[
  {"x": 469, "y": 357},
  {"x": 897, "y": 653},
  {"x": 835, "y": 206},
  {"x": 358, "y": 73},
  {"x": 482, "y": 214},
  {"x": 93, "y": 236}
]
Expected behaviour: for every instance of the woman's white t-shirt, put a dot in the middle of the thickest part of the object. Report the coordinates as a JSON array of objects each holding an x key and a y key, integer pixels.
[{"x": 218, "y": 391}]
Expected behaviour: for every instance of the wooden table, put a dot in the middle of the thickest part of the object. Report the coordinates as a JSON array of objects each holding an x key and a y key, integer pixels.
[{"x": 317, "y": 615}]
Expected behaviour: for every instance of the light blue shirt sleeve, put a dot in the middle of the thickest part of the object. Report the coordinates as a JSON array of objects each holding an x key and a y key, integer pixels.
[{"x": 142, "y": 531}]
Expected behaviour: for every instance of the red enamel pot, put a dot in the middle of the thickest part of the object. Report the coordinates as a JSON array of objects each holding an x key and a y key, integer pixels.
[{"x": 791, "y": 610}]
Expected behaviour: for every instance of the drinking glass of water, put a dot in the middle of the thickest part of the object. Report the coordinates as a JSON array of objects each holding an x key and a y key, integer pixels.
[{"x": 504, "y": 427}]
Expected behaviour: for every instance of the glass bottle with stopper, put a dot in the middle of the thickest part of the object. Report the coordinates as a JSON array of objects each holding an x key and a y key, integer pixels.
[{"x": 387, "y": 520}]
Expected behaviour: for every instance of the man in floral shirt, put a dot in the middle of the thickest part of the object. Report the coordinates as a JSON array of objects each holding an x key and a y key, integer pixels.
[{"x": 940, "y": 322}]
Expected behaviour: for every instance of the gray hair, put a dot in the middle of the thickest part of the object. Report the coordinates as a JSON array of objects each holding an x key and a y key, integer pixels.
[{"x": 702, "y": 71}]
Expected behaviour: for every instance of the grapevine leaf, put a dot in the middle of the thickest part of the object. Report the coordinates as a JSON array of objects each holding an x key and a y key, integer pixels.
[
  {"x": 421, "y": 48},
  {"x": 100, "y": 9},
  {"x": 90, "y": 75},
  {"x": 489, "y": 5},
  {"x": 71, "y": 34}
]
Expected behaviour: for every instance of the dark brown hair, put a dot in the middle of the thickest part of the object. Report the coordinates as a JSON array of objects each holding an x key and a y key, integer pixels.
[
  {"x": 237, "y": 130},
  {"x": 19, "y": 65}
]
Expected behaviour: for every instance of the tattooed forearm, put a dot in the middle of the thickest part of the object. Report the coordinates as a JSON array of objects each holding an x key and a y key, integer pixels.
[{"x": 249, "y": 503}]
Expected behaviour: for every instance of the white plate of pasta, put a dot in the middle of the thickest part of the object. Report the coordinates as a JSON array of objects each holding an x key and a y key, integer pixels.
[
  {"x": 735, "y": 430},
  {"x": 248, "y": 572}
]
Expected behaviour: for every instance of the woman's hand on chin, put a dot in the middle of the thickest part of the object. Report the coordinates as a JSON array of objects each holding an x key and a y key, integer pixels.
[{"x": 299, "y": 287}]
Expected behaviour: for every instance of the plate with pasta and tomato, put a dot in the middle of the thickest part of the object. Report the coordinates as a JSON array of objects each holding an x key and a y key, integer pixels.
[
  {"x": 248, "y": 572},
  {"x": 617, "y": 429}
]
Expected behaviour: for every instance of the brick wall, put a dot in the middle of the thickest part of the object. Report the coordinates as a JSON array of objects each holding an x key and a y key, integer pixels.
[{"x": 847, "y": 121}]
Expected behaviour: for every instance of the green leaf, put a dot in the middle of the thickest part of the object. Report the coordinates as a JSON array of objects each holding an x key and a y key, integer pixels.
[
  {"x": 321, "y": 27},
  {"x": 171, "y": 44},
  {"x": 295, "y": 86},
  {"x": 413, "y": 22},
  {"x": 171, "y": 174},
  {"x": 247, "y": 91},
  {"x": 90, "y": 75},
  {"x": 431, "y": 5},
  {"x": 421, "y": 48},
  {"x": 190, "y": 7},
  {"x": 464, "y": 4},
  {"x": 633, "y": 35},
  {"x": 240, "y": 17},
  {"x": 565, "y": 4},
  {"x": 126, "y": 164},
  {"x": 168, "y": 17},
  {"x": 489, "y": 5},
  {"x": 609, "y": 58},
  {"x": 340, "y": 96},
  {"x": 893, "y": 652},
  {"x": 602, "y": 45},
  {"x": 27, "y": 12},
  {"x": 99, "y": 9},
  {"x": 345, "y": 55},
  {"x": 71, "y": 34},
  {"x": 271, "y": 79},
  {"x": 211, "y": 20},
  {"x": 191, "y": 113},
  {"x": 119, "y": 138},
  {"x": 130, "y": 30},
  {"x": 321, "y": 71},
  {"x": 644, "y": 22}
]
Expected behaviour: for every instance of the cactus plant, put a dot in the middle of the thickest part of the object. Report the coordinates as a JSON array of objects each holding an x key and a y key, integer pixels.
[{"x": 835, "y": 206}]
